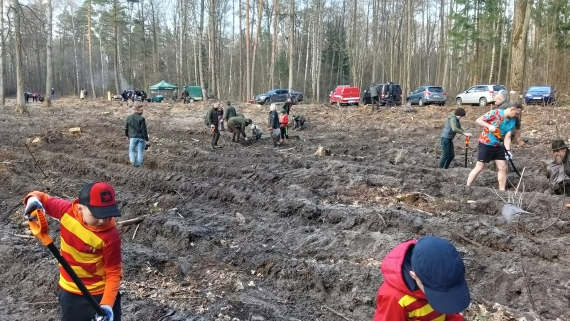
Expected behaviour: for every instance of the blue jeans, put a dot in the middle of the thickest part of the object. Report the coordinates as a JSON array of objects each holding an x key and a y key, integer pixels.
[
  {"x": 136, "y": 151},
  {"x": 447, "y": 153}
]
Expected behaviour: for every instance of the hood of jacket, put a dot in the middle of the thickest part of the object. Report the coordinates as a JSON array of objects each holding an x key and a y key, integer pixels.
[{"x": 391, "y": 268}]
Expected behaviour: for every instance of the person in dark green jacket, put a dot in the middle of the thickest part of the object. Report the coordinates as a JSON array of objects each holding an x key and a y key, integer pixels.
[
  {"x": 452, "y": 127},
  {"x": 212, "y": 121},
  {"x": 230, "y": 111},
  {"x": 135, "y": 130},
  {"x": 237, "y": 125}
]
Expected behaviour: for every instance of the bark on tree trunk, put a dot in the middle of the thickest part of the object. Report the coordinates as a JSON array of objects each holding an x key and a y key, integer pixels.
[
  {"x": 274, "y": 44},
  {"x": 518, "y": 49},
  {"x": 90, "y": 40},
  {"x": 212, "y": 46},
  {"x": 248, "y": 89},
  {"x": 200, "y": 49},
  {"x": 256, "y": 44},
  {"x": 116, "y": 40},
  {"x": 49, "y": 61},
  {"x": 20, "y": 103},
  {"x": 2, "y": 90},
  {"x": 291, "y": 47}
]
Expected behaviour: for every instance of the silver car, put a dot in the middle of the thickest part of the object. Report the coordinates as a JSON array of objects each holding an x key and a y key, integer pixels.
[
  {"x": 481, "y": 95},
  {"x": 426, "y": 95}
]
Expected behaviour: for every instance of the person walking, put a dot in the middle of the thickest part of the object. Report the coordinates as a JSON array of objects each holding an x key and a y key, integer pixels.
[
  {"x": 91, "y": 244},
  {"x": 452, "y": 127},
  {"x": 82, "y": 94},
  {"x": 135, "y": 130},
  {"x": 495, "y": 142},
  {"x": 212, "y": 122},
  {"x": 236, "y": 126},
  {"x": 52, "y": 94}
]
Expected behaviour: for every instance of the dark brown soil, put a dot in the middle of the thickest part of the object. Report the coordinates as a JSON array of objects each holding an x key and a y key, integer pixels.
[{"x": 251, "y": 232}]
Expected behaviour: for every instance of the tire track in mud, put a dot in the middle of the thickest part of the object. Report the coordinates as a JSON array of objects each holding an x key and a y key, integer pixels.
[{"x": 304, "y": 238}]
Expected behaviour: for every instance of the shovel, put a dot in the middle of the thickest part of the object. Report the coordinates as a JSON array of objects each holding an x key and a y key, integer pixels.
[
  {"x": 39, "y": 226},
  {"x": 466, "y": 149}
]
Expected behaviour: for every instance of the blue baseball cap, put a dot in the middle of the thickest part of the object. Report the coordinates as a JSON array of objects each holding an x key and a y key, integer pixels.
[{"x": 440, "y": 268}]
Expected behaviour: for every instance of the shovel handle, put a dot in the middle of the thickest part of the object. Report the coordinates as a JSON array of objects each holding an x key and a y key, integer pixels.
[{"x": 39, "y": 226}]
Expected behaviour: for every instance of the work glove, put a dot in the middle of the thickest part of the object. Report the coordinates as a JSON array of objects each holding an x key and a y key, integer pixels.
[
  {"x": 508, "y": 155},
  {"x": 212, "y": 126},
  {"x": 467, "y": 134},
  {"x": 108, "y": 314},
  {"x": 492, "y": 129},
  {"x": 32, "y": 204}
]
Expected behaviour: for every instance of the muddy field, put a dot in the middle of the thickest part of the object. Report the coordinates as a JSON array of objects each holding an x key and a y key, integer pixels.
[{"x": 252, "y": 232}]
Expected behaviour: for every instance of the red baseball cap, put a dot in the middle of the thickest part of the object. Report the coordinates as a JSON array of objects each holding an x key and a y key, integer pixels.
[{"x": 99, "y": 197}]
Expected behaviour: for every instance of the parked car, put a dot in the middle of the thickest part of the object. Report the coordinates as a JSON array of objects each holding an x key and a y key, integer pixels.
[
  {"x": 139, "y": 95},
  {"x": 383, "y": 97},
  {"x": 345, "y": 95},
  {"x": 540, "y": 94},
  {"x": 481, "y": 95},
  {"x": 426, "y": 95},
  {"x": 279, "y": 95}
]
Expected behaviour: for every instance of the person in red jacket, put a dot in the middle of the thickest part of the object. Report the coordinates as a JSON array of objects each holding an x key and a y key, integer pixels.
[
  {"x": 424, "y": 280},
  {"x": 91, "y": 244}
]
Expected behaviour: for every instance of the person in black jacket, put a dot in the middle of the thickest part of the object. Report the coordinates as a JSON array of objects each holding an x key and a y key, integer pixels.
[
  {"x": 135, "y": 130},
  {"x": 212, "y": 121},
  {"x": 273, "y": 124}
]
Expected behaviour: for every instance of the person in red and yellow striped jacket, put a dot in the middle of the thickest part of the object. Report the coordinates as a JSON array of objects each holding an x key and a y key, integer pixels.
[
  {"x": 91, "y": 244},
  {"x": 424, "y": 280}
]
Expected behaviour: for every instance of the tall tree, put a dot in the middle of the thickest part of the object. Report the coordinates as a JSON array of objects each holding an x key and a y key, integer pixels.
[
  {"x": 2, "y": 90},
  {"x": 248, "y": 90},
  {"x": 291, "y": 36},
  {"x": 518, "y": 49},
  {"x": 20, "y": 103},
  {"x": 212, "y": 46},
  {"x": 256, "y": 43},
  {"x": 90, "y": 44},
  {"x": 49, "y": 60},
  {"x": 274, "y": 44},
  {"x": 200, "y": 49}
]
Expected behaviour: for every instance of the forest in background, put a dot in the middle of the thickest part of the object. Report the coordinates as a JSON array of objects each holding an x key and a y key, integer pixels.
[{"x": 238, "y": 48}]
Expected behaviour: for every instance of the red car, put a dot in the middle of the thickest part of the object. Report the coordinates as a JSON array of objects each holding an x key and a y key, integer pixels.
[{"x": 345, "y": 95}]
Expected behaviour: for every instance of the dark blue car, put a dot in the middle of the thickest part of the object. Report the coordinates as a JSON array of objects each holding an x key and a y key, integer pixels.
[{"x": 540, "y": 94}]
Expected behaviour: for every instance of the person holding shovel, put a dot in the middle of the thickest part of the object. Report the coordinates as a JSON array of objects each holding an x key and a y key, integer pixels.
[
  {"x": 423, "y": 280},
  {"x": 212, "y": 122},
  {"x": 91, "y": 244},
  {"x": 495, "y": 142},
  {"x": 452, "y": 127}
]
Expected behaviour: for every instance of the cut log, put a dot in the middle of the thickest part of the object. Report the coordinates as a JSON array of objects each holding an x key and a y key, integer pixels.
[{"x": 75, "y": 130}]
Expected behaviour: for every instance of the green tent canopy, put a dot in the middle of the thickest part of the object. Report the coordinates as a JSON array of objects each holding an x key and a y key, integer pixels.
[{"x": 163, "y": 85}]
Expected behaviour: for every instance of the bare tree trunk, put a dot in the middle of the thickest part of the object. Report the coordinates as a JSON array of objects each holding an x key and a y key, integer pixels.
[
  {"x": 2, "y": 89},
  {"x": 291, "y": 36},
  {"x": 200, "y": 49},
  {"x": 274, "y": 44},
  {"x": 181, "y": 25},
  {"x": 20, "y": 103},
  {"x": 256, "y": 44},
  {"x": 248, "y": 89},
  {"x": 212, "y": 46},
  {"x": 501, "y": 30},
  {"x": 75, "y": 52},
  {"x": 493, "y": 53},
  {"x": 49, "y": 60},
  {"x": 116, "y": 44},
  {"x": 518, "y": 49},
  {"x": 90, "y": 40},
  {"x": 408, "y": 46}
]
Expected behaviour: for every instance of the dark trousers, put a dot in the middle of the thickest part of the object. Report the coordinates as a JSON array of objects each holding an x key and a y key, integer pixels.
[
  {"x": 447, "y": 153},
  {"x": 215, "y": 136},
  {"x": 75, "y": 307},
  {"x": 236, "y": 131}
]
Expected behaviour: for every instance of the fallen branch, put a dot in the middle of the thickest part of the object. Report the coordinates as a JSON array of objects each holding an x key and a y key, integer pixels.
[
  {"x": 335, "y": 312},
  {"x": 132, "y": 221},
  {"x": 355, "y": 116},
  {"x": 25, "y": 236},
  {"x": 135, "y": 233},
  {"x": 465, "y": 239}
]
